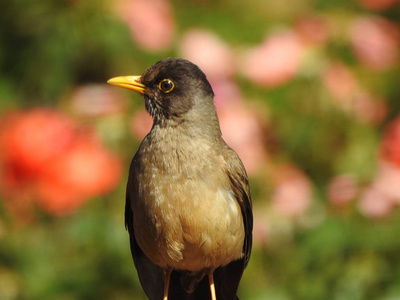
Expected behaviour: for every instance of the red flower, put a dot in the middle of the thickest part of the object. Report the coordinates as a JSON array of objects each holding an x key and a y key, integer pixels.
[
  {"x": 390, "y": 146},
  {"x": 48, "y": 158},
  {"x": 377, "y": 4},
  {"x": 30, "y": 139}
]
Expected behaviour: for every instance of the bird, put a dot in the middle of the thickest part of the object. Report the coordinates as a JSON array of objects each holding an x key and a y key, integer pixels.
[{"x": 188, "y": 204}]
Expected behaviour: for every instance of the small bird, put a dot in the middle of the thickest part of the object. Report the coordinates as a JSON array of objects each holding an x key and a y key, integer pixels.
[{"x": 188, "y": 205}]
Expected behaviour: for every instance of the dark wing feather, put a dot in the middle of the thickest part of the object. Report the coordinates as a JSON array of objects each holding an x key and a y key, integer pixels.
[
  {"x": 227, "y": 278},
  {"x": 241, "y": 188},
  {"x": 151, "y": 276}
]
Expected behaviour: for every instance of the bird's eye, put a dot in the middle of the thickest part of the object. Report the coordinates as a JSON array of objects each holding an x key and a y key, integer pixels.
[{"x": 166, "y": 85}]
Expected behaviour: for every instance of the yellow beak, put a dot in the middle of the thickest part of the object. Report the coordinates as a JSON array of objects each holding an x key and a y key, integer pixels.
[{"x": 128, "y": 82}]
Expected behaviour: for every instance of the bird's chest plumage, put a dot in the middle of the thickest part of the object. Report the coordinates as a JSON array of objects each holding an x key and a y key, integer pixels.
[{"x": 183, "y": 200}]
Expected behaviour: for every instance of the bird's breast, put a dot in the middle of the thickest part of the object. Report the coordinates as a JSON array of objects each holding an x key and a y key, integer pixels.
[{"x": 189, "y": 217}]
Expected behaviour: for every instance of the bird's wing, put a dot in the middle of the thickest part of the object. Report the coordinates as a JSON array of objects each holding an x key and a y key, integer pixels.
[
  {"x": 240, "y": 187},
  {"x": 151, "y": 276},
  {"x": 227, "y": 278}
]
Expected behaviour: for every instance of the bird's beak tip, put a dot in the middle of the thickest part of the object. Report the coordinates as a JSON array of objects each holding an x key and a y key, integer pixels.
[{"x": 128, "y": 82}]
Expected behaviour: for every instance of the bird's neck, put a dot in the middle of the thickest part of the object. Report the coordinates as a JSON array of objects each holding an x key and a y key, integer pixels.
[{"x": 197, "y": 124}]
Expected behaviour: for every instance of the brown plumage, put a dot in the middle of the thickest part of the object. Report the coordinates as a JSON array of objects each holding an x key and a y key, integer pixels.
[{"x": 188, "y": 203}]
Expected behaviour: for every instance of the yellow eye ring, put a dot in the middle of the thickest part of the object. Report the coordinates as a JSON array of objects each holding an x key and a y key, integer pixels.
[{"x": 166, "y": 85}]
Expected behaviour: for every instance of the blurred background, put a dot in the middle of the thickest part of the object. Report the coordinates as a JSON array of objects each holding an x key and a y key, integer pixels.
[{"x": 307, "y": 92}]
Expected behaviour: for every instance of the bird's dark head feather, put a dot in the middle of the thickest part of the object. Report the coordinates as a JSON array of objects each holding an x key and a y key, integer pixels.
[
  {"x": 176, "y": 92},
  {"x": 189, "y": 84}
]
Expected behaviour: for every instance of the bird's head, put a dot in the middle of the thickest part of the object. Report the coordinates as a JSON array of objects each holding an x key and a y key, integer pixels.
[{"x": 173, "y": 89}]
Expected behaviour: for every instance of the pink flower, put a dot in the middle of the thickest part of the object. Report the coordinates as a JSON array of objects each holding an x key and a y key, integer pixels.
[
  {"x": 97, "y": 100},
  {"x": 379, "y": 199},
  {"x": 342, "y": 189},
  {"x": 150, "y": 21},
  {"x": 374, "y": 203},
  {"x": 388, "y": 180},
  {"x": 275, "y": 61},
  {"x": 344, "y": 88},
  {"x": 226, "y": 92},
  {"x": 242, "y": 130},
  {"x": 375, "y": 42},
  {"x": 340, "y": 82},
  {"x": 141, "y": 124},
  {"x": 293, "y": 193},
  {"x": 209, "y": 52},
  {"x": 313, "y": 30},
  {"x": 49, "y": 158},
  {"x": 378, "y": 4},
  {"x": 260, "y": 230},
  {"x": 368, "y": 108}
]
